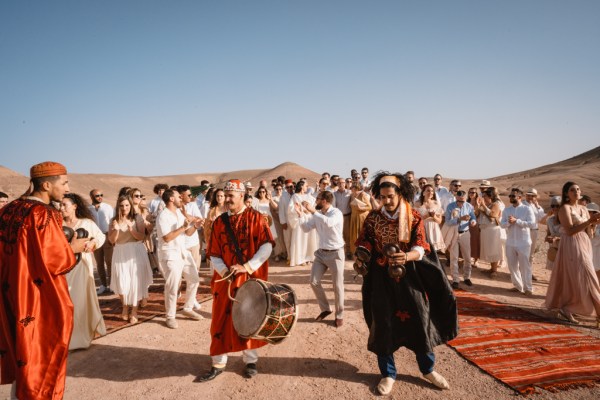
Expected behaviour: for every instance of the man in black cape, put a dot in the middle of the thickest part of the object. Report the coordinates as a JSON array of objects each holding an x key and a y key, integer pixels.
[{"x": 407, "y": 299}]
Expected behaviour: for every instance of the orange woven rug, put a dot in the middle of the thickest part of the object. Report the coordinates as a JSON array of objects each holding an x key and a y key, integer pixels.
[
  {"x": 523, "y": 350},
  {"x": 111, "y": 307}
]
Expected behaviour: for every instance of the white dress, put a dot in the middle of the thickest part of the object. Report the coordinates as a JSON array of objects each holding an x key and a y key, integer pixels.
[
  {"x": 87, "y": 318},
  {"x": 302, "y": 244},
  {"x": 265, "y": 208},
  {"x": 433, "y": 231},
  {"x": 131, "y": 270}
]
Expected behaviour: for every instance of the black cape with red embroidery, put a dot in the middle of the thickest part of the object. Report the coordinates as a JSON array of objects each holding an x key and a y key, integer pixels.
[{"x": 418, "y": 311}]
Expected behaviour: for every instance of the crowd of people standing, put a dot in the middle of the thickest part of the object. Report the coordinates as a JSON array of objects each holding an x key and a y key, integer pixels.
[{"x": 322, "y": 224}]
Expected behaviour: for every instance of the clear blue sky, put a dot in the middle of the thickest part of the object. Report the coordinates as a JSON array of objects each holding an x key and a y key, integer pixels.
[{"x": 472, "y": 89}]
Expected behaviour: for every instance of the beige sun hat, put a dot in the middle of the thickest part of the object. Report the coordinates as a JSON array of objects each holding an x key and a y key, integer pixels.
[{"x": 532, "y": 192}]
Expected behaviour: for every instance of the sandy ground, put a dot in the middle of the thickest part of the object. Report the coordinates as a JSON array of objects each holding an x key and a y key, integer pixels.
[{"x": 318, "y": 361}]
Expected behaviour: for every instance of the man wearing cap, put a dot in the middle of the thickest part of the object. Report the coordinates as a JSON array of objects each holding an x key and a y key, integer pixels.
[
  {"x": 518, "y": 220},
  {"x": 460, "y": 216},
  {"x": 253, "y": 244},
  {"x": 531, "y": 198},
  {"x": 36, "y": 312},
  {"x": 102, "y": 213}
]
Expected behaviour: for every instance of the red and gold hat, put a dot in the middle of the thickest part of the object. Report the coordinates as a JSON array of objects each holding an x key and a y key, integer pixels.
[
  {"x": 234, "y": 185},
  {"x": 47, "y": 168},
  {"x": 288, "y": 181}
]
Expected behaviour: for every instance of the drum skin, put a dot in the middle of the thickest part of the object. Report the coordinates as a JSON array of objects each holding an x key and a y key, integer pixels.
[{"x": 264, "y": 311}]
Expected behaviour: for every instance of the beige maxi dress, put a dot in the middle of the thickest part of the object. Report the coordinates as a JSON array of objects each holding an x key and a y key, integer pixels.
[{"x": 574, "y": 284}]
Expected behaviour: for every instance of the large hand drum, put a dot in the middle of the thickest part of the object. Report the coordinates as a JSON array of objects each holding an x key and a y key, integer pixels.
[{"x": 264, "y": 311}]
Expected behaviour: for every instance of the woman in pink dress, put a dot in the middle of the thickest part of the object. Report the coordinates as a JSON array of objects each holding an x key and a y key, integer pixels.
[{"x": 574, "y": 286}]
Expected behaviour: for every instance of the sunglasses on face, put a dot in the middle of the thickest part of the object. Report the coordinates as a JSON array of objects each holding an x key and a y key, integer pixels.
[
  {"x": 98, "y": 195},
  {"x": 138, "y": 196}
]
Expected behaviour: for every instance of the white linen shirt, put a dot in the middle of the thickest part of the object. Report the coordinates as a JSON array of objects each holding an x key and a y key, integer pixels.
[
  {"x": 102, "y": 216},
  {"x": 167, "y": 222},
  {"x": 192, "y": 210},
  {"x": 517, "y": 234},
  {"x": 329, "y": 226}
]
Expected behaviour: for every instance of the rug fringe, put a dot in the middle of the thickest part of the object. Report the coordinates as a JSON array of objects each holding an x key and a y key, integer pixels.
[{"x": 570, "y": 385}]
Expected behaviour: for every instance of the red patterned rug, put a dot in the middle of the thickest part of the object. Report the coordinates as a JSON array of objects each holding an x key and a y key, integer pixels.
[
  {"x": 111, "y": 307},
  {"x": 524, "y": 350}
]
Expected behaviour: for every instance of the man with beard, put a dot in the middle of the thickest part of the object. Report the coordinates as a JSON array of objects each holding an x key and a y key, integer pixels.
[
  {"x": 518, "y": 219},
  {"x": 329, "y": 223},
  {"x": 36, "y": 313},
  {"x": 242, "y": 232},
  {"x": 103, "y": 213},
  {"x": 407, "y": 299},
  {"x": 172, "y": 228}
]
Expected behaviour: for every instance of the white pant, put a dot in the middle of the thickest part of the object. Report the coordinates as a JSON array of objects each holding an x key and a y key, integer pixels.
[
  {"x": 173, "y": 269},
  {"x": 334, "y": 260},
  {"x": 248, "y": 356},
  {"x": 462, "y": 240},
  {"x": 287, "y": 239},
  {"x": 519, "y": 266},
  {"x": 533, "y": 233}
]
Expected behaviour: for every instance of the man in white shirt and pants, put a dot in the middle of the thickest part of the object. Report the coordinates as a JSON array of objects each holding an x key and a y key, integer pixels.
[
  {"x": 284, "y": 202},
  {"x": 103, "y": 214},
  {"x": 518, "y": 220},
  {"x": 175, "y": 259},
  {"x": 329, "y": 223}
]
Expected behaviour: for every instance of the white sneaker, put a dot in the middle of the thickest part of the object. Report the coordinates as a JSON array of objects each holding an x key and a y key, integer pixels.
[
  {"x": 197, "y": 307},
  {"x": 385, "y": 385},
  {"x": 438, "y": 380},
  {"x": 192, "y": 314},
  {"x": 172, "y": 323},
  {"x": 101, "y": 289}
]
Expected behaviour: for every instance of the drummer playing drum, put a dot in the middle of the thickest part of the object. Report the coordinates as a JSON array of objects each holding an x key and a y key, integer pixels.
[{"x": 255, "y": 243}]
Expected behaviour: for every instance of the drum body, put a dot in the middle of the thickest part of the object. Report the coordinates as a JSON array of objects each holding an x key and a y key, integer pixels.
[{"x": 264, "y": 311}]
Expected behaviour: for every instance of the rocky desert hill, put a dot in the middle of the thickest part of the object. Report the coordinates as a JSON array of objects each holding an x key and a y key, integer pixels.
[
  {"x": 548, "y": 179},
  {"x": 14, "y": 184}
]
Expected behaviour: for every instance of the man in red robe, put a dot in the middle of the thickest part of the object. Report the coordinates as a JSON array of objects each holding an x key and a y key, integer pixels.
[
  {"x": 36, "y": 313},
  {"x": 255, "y": 243}
]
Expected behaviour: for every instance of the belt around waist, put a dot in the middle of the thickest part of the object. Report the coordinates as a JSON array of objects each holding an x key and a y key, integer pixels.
[
  {"x": 461, "y": 232},
  {"x": 330, "y": 250}
]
